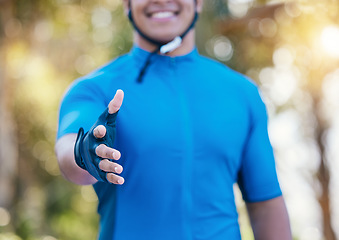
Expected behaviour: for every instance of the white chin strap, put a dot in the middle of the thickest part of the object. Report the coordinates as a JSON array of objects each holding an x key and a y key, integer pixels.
[{"x": 172, "y": 45}]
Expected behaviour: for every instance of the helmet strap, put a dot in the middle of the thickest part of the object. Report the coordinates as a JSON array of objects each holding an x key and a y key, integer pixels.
[{"x": 162, "y": 47}]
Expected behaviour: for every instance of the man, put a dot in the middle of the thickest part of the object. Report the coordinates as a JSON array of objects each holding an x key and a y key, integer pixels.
[{"x": 188, "y": 129}]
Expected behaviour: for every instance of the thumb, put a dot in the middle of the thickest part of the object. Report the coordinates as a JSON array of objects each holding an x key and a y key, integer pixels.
[{"x": 116, "y": 102}]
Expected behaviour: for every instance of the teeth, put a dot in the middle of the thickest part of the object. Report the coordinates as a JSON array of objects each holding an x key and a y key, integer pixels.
[{"x": 162, "y": 14}]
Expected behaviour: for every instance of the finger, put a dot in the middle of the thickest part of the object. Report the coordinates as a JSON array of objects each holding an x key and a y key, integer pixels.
[
  {"x": 108, "y": 166},
  {"x": 99, "y": 131},
  {"x": 106, "y": 152},
  {"x": 113, "y": 178},
  {"x": 116, "y": 102}
]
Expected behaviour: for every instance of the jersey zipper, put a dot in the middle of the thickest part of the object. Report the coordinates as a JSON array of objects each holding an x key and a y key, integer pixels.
[{"x": 186, "y": 141}]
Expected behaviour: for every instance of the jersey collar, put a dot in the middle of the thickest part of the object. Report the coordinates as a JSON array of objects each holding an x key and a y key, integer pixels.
[{"x": 141, "y": 55}]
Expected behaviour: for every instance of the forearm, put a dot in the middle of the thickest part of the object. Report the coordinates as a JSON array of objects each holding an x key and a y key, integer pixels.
[
  {"x": 64, "y": 149},
  {"x": 269, "y": 220}
]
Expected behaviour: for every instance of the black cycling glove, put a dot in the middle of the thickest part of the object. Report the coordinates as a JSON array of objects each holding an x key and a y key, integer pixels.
[{"x": 86, "y": 143}]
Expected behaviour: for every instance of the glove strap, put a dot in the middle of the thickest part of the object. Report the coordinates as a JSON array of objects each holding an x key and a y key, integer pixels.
[{"x": 77, "y": 151}]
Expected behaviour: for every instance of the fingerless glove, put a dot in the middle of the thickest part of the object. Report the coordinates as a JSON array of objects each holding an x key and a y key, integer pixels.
[{"x": 86, "y": 144}]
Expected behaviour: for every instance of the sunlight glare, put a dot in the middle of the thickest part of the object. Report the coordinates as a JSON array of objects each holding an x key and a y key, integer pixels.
[{"x": 330, "y": 40}]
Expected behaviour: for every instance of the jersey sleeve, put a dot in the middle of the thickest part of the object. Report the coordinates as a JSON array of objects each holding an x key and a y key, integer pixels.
[
  {"x": 80, "y": 107},
  {"x": 257, "y": 177}
]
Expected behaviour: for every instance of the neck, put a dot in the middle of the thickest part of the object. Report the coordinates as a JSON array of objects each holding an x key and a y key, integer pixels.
[{"x": 187, "y": 45}]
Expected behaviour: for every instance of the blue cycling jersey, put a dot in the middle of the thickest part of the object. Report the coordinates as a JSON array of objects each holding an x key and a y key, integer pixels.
[{"x": 187, "y": 133}]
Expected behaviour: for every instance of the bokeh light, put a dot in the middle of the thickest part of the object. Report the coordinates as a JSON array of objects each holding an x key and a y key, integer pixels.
[
  {"x": 330, "y": 40},
  {"x": 289, "y": 48},
  {"x": 5, "y": 217},
  {"x": 239, "y": 8}
]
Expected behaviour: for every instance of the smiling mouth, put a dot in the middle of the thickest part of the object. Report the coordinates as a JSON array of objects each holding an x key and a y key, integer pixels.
[{"x": 163, "y": 14}]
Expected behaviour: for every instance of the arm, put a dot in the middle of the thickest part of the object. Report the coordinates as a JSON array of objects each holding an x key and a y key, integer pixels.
[
  {"x": 258, "y": 179},
  {"x": 269, "y": 219},
  {"x": 64, "y": 150}
]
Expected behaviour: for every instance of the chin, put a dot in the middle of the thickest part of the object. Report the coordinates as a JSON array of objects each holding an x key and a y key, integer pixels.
[
  {"x": 165, "y": 37},
  {"x": 166, "y": 40}
]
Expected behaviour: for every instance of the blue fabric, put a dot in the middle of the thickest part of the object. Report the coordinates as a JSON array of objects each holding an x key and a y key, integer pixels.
[{"x": 187, "y": 133}]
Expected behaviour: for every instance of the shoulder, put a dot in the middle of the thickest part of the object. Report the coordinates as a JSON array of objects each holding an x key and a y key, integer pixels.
[
  {"x": 226, "y": 75},
  {"x": 232, "y": 82},
  {"x": 99, "y": 80},
  {"x": 117, "y": 66}
]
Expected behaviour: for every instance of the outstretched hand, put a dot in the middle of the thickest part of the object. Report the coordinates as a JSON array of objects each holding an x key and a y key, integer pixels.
[{"x": 94, "y": 150}]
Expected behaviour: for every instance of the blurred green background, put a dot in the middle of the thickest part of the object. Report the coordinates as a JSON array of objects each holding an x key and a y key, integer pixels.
[{"x": 289, "y": 48}]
